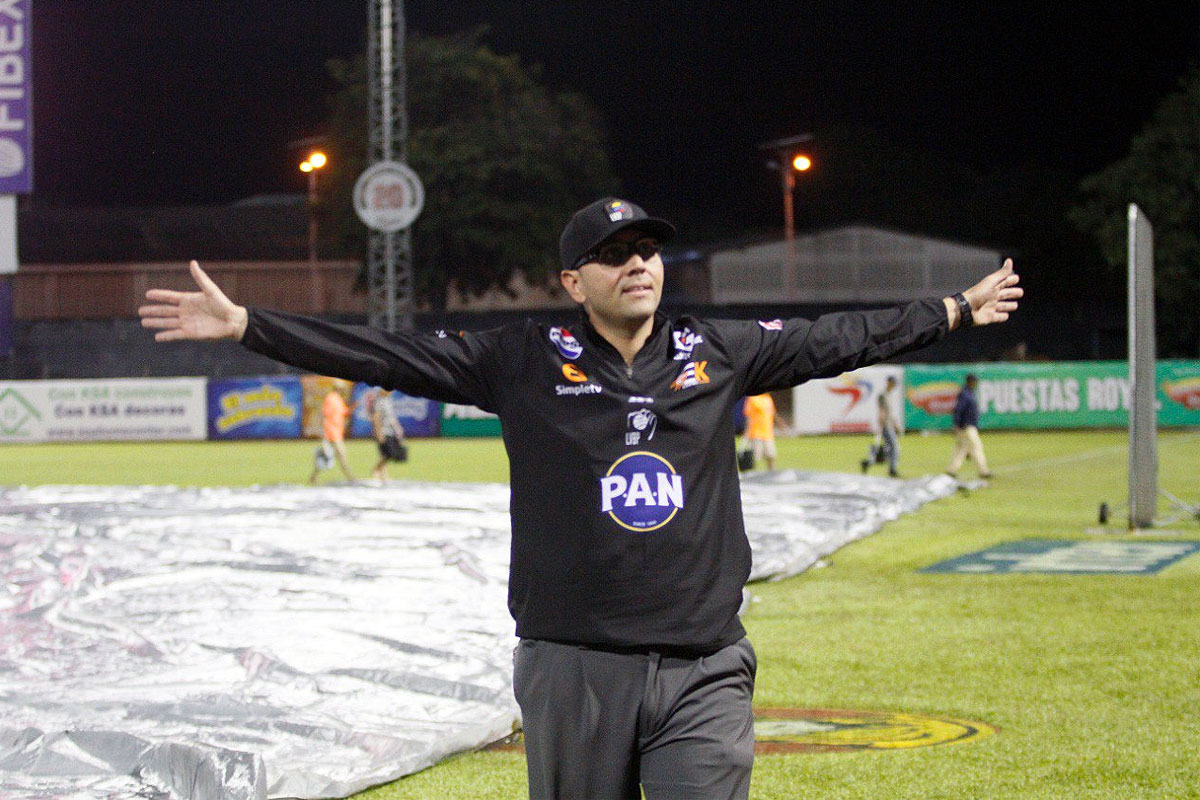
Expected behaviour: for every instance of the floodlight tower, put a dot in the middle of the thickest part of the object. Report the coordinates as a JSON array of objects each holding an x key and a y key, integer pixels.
[{"x": 389, "y": 252}]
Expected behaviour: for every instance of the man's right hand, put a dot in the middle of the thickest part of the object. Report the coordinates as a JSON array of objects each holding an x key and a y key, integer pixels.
[{"x": 206, "y": 314}]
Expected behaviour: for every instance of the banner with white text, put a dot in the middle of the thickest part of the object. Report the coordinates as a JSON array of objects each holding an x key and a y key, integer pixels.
[
  {"x": 459, "y": 420},
  {"x": 119, "y": 409},
  {"x": 1057, "y": 394}
]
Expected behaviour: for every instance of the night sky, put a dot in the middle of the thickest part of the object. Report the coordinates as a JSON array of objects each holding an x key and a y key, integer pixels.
[{"x": 167, "y": 102}]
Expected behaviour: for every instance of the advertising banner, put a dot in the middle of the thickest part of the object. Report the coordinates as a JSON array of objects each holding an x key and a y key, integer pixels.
[
  {"x": 1178, "y": 392},
  {"x": 313, "y": 391},
  {"x": 418, "y": 416},
  {"x": 468, "y": 421},
  {"x": 848, "y": 403},
  {"x": 16, "y": 105},
  {"x": 1064, "y": 394},
  {"x": 255, "y": 408},
  {"x": 132, "y": 409}
]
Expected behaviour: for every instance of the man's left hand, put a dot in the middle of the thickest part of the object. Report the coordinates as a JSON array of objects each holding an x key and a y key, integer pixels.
[{"x": 996, "y": 296}]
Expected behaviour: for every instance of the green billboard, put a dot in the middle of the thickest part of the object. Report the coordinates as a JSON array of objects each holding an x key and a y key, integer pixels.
[
  {"x": 468, "y": 421},
  {"x": 1054, "y": 394}
]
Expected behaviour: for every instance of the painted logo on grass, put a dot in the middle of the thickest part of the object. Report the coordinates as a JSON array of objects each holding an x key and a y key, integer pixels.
[
  {"x": 1070, "y": 557},
  {"x": 827, "y": 730}
]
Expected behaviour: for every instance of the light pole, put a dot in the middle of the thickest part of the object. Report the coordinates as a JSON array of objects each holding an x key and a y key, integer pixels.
[
  {"x": 787, "y": 158},
  {"x": 315, "y": 161}
]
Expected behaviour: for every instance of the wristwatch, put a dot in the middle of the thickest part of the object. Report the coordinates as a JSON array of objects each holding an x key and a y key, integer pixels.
[{"x": 965, "y": 318}]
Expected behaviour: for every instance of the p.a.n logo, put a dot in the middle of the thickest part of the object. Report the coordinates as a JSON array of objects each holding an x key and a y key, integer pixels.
[{"x": 641, "y": 492}]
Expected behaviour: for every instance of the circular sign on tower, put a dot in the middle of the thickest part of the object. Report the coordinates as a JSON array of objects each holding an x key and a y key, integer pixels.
[{"x": 388, "y": 196}]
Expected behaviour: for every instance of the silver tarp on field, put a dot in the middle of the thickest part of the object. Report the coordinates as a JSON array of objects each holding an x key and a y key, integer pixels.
[{"x": 158, "y": 642}]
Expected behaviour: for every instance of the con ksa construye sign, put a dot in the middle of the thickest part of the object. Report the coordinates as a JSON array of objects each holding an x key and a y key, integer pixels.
[{"x": 1061, "y": 394}]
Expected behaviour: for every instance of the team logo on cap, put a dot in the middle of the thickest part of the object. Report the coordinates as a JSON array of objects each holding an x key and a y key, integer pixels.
[
  {"x": 567, "y": 344},
  {"x": 641, "y": 492},
  {"x": 618, "y": 210},
  {"x": 685, "y": 342}
]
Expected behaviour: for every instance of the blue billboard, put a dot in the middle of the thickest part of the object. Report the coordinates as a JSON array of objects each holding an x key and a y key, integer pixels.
[
  {"x": 254, "y": 408},
  {"x": 418, "y": 416}
]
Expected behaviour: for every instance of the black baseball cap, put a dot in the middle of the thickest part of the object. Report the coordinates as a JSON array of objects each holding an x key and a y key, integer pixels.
[{"x": 594, "y": 223}]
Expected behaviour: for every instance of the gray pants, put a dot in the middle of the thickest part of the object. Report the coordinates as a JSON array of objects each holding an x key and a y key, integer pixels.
[
  {"x": 891, "y": 446},
  {"x": 598, "y": 723}
]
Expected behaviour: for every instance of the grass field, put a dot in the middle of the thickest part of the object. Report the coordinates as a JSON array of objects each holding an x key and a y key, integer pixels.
[{"x": 1094, "y": 681}]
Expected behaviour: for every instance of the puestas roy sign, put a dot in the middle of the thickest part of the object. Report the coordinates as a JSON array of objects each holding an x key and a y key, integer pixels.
[
  {"x": 1063, "y": 394},
  {"x": 16, "y": 107}
]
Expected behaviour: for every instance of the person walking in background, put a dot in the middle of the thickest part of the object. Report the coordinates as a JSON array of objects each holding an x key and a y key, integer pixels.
[
  {"x": 334, "y": 414},
  {"x": 887, "y": 438},
  {"x": 760, "y": 427},
  {"x": 966, "y": 431},
  {"x": 389, "y": 434}
]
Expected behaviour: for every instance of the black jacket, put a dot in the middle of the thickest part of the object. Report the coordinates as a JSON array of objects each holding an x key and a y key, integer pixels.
[{"x": 626, "y": 510}]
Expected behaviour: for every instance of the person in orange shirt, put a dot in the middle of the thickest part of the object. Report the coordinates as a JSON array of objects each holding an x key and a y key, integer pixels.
[
  {"x": 760, "y": 427},
  {"x": 334, "y": 415}
]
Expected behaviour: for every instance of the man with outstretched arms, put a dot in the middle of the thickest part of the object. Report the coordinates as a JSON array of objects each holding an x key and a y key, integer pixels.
[{"x": 628, "y": 548}]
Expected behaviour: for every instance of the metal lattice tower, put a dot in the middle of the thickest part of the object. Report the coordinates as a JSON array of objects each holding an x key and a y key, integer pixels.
[{"x": 389, "y": 255}]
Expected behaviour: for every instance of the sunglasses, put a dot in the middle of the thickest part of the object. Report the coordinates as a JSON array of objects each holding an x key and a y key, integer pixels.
[{"x": 615, "y": 254}]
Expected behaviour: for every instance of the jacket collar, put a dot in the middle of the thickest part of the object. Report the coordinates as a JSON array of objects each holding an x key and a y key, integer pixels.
[{"x": 595, "y": 339}]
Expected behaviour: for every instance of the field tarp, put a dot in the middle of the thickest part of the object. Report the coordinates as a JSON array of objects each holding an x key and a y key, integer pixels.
[{"x": 158, "y": 642}]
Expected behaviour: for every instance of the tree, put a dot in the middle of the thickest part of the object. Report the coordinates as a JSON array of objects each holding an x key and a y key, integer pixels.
[
  {"x": 504, "y": 161},
  {"x": 1162, "y": 175}
]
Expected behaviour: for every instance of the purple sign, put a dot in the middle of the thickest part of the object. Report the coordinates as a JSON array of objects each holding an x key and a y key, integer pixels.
[{"x": 16, "y": 106}]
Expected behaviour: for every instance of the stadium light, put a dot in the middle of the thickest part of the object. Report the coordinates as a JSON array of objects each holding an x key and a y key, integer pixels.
[
  {"x": 315, "y": 161},
  {"x": 785, "y": 154}
]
